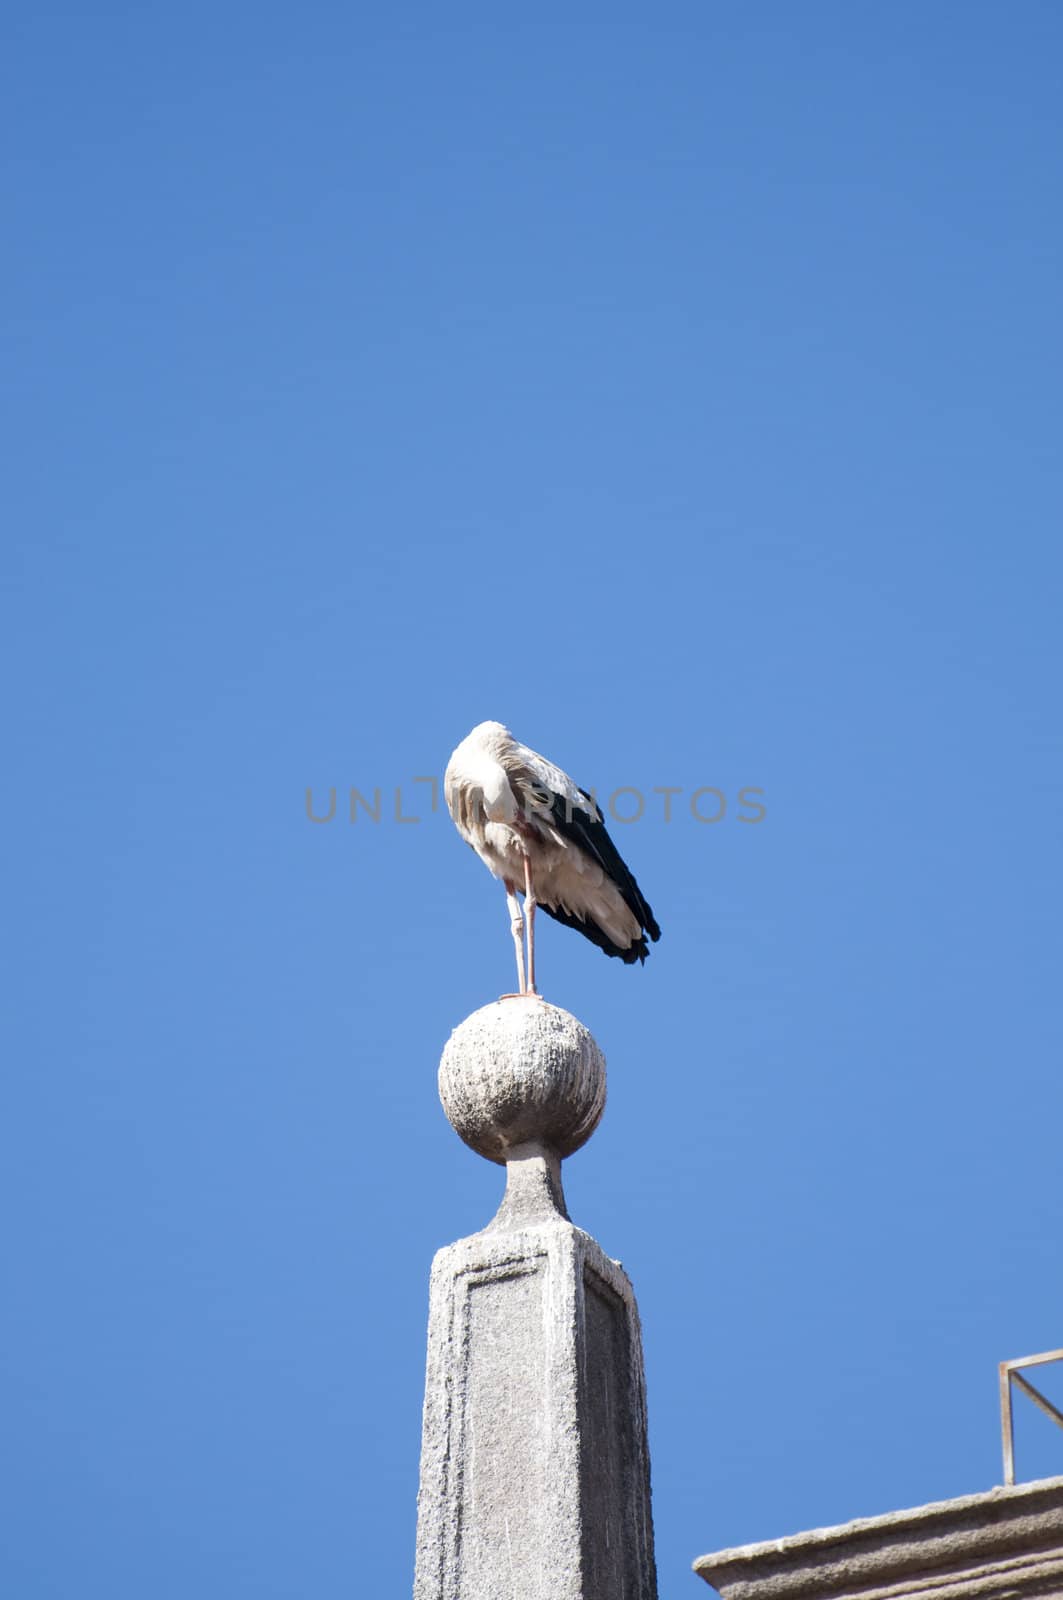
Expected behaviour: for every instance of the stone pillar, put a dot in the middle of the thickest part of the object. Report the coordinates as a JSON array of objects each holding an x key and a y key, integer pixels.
[{"x": 535, "y": 1477}]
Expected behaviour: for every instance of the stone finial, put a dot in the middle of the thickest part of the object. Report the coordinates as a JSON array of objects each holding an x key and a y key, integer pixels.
[
  {"x": 534, "y": 1463},
  {"x": 521, "y": 1071}
]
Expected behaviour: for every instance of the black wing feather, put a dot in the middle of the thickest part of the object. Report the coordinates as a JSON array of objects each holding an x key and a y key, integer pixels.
[
  {"x": 589, "y": 833},
  {"x": 590, "y": 930}
]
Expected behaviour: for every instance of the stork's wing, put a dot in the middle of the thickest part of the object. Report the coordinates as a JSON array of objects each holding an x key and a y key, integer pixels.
[
  {"x": 541, "y": 783},
  {"x": 590, "y": 930},
  {"x": 571, "y": 814},
  {"x": 588, "y": 833}
]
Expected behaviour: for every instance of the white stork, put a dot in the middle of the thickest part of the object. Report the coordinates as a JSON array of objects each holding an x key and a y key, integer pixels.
[{"x": 542, "y": 834}]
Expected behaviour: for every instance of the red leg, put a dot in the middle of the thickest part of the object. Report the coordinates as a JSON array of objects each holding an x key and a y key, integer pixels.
[{"x": 529, "y": 914}]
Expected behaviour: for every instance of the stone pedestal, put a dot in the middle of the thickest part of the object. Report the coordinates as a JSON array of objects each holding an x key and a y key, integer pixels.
[{"x": 534, "y": 1465}]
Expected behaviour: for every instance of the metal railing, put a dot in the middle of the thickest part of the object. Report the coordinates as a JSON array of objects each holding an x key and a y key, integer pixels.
[{"x": 1010, "y": 1373}]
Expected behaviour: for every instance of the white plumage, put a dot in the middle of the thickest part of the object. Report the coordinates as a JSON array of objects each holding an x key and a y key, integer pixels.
[{"x": 544, "y": 835}]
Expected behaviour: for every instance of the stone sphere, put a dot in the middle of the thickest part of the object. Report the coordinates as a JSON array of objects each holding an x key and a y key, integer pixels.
[{"x": 521, "y": 1069}]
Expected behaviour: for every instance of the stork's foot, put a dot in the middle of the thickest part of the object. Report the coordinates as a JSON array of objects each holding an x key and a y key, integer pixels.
[{"x": 527, "y": 994}]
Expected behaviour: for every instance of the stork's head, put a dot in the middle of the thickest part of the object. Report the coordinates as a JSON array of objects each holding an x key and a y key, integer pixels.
[{"x": 476, "y": 775}]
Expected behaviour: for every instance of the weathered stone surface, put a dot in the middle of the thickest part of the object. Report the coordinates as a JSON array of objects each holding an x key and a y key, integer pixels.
[
  {"x": 534, "y": 1469},
  {"x": 534, "y": 1464},
  {"x": 521, "y": 1069},
  {"x": 1006, "y": 1544}
]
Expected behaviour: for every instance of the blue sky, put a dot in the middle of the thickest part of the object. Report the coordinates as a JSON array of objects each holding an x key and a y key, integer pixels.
[{"x": 683, "y": 390}]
